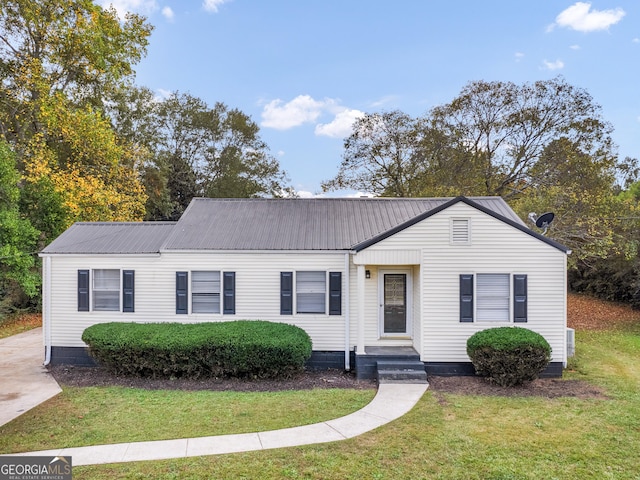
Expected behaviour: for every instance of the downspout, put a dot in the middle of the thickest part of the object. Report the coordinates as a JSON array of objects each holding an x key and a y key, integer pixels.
[
  {"x": 46, "y": 308},
  {"x": 347, "y": 322}
]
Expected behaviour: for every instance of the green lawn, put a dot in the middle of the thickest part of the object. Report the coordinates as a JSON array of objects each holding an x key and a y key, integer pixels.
[
  {"x": 445, "y": 436},
  {"x": 465, "y": 437}
]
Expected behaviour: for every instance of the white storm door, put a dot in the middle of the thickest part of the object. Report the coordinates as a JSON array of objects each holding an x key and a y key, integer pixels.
[{"x": 395, "y": 303}]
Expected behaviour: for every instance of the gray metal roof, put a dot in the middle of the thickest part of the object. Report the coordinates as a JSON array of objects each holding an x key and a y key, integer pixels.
[
  {"x": 111, "y": 238},
  {"x": 302, "y": 224},
  {"x": 273, "y": 224}
]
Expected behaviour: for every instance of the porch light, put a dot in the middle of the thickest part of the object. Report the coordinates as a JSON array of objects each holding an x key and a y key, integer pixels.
[{"x": 367, "y": 273}]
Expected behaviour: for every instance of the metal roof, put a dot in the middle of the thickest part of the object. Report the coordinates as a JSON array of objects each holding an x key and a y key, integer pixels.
[
  {"x": 111, "y": 238},
  {"x": 273, "y": 224},
  {"x": 301, "y": 224}
]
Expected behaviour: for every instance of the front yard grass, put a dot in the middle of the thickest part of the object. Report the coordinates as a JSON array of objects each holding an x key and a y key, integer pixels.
[{"x": 99, "y": 415}]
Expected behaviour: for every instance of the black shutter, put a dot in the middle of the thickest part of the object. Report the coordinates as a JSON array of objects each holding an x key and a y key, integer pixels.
[
  {"x": 286, "y": 293},
  {"x": 128, "y": 290},
  {"x": 83, "y": 290},
  {"x": 520, "y": 298},
  {"x": 335, "y": 293},
  {"x": 229, "y": 293},
  {"x": 466, "y": 298},
  {"x": 182, "y": 289}
]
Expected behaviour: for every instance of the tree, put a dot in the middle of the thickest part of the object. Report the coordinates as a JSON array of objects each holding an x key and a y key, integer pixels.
[
  {"x": 17, "y": 238},
  {"x": 380, "y": 156},
  {"x": 194, "y": 150},
  {"x": 508, "y": 127},
  {"x": 72, "y": 47}
]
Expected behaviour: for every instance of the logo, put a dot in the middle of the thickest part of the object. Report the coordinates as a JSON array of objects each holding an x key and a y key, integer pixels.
[{"x": 35, "y": 468}]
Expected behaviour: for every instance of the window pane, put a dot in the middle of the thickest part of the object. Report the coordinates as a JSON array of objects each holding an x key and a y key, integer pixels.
[
  {"x": 106, "y": 279},
  {"x": 492, "y": 297},
  {"x": 106, "y": 301},
  {"x": 311, "y": 288},
  {"x": 205, "y": 292},
  {"x": 106, "y": 290}
]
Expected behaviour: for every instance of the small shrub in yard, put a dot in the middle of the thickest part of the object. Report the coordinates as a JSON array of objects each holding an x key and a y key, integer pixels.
[
  {"x": 244, "y": 348},
  {"x": 509, "y": 356}
]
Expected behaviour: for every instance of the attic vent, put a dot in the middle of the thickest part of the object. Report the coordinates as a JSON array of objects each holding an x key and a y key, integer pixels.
[{"x": 460, "y": 231}]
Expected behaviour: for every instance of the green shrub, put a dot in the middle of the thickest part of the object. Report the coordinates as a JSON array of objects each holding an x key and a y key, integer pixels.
[
  {"x": 509, "y": 356},
  {"x": 244, "y": 348}
]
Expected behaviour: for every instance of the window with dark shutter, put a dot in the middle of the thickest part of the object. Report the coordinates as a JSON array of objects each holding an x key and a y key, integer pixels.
[
  {"x": 335, "y": 293},
  {"x": 520, "y": 298},
  {"x": 83, "y": 290},
  {"x": 286, "y": 293},
  {"x": 229, "y": 293},
  {"x": 182, "y": 286},
  {"x": 128, "y": 290},
  {"x": 466, "y": 298}
]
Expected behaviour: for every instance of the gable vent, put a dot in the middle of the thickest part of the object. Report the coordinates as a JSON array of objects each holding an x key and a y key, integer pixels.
[{"x": 460, "y": 231}]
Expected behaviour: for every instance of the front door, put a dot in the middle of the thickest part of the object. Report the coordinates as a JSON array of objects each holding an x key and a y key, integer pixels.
[{"x": 394, "y": 296}]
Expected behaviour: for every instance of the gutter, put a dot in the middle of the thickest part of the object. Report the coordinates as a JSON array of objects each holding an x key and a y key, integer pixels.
[
  {"x": 347, "y": 319},
  {"x": 46, "y": 309}
]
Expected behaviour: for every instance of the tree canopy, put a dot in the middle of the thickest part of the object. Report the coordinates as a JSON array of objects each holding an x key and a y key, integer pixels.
[
  {"x": 541, "y": 146},
  {"x": 195, "y": 150}
]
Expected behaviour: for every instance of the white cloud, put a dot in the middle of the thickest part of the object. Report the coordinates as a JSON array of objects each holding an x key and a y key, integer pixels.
[
  {"x": 575, "y": 47},
  {"x": 125, "y": 6},
  {"x": 341, "y": 126},
  {"x": 307, "y": 194},
  {"x": 212, "y": 5},
  {"x": 167, "y": 13},
  {"x": 384, "y": 101},
  {"x": 580, "y": 17},
  {"x": 557, "y": 65},
  {"x": 636, "y": 40},
  {"x": 300, "y": 110},
  {"x": 519, "y": 56}
]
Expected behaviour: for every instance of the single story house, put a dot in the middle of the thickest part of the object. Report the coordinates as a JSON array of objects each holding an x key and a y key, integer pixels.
[{"x": 362, "y": 276}]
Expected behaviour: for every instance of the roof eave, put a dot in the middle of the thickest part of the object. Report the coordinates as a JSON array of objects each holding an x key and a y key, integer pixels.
[{"x": 378, "y": 238}]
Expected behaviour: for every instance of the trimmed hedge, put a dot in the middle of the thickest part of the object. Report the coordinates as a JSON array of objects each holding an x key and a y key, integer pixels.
[
  {"x": 244, "y": 348},
  {"x": 509, "y": 356}
]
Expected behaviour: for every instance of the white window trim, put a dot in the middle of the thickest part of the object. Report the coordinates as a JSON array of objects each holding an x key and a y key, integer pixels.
[
  {"x": 190, "y": 293},
  {"x": 92, "y": 290},
  {"x": 475, "y": 299},
  {"x": 295, "y": 293}
]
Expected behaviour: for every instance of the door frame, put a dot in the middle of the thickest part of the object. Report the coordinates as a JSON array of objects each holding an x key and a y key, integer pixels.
[{"x": 408, "y": 334}]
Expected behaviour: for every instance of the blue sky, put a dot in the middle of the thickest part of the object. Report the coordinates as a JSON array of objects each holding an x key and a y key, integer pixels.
[{"x": 305, "y": 69}]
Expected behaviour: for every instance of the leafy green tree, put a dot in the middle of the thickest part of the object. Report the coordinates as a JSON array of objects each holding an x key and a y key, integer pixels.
[
  {"x": 18, "y": 238},
  {"x": 195, "y": 150},
  {"x": 381, "y": 156}
]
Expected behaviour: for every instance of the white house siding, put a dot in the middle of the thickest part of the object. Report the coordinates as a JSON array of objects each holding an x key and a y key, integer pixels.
[
  {"x": 495, "y": 247},
  {"x": 257, "y": 291}
]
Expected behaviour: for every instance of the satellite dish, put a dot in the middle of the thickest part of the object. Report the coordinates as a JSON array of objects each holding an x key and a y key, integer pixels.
[{"x": 544, "y": 220}]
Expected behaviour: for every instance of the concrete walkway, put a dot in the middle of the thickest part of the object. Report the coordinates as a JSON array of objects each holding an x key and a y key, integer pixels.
[
  {"x": 391, "y": 402},
  {"x": 24, "y": 382}
]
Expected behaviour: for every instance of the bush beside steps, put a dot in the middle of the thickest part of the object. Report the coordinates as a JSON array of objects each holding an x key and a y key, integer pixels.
[
  {"x": 243, "y": 348},
  {"x": 509, "y": 356}
]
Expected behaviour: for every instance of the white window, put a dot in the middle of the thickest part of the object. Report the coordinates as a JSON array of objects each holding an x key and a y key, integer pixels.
[
  {"x": 205, "y": 292},
  {"x": 106, "y": 290},
  {"x": 460, "y": 231},
  {"x": 492, "y": 297},
  {"x": 311, "y": 292}
]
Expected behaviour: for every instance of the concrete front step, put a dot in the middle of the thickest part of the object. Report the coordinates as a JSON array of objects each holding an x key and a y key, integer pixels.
[{"x": 401, "y": 371}]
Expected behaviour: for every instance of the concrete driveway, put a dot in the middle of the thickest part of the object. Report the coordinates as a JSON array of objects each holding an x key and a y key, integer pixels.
[{"x": 24, "y": 382}]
